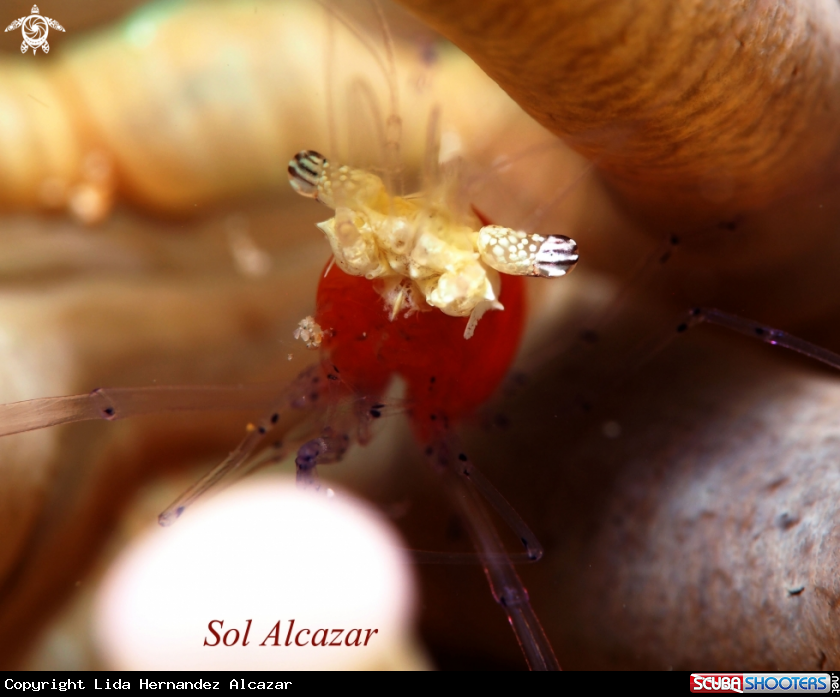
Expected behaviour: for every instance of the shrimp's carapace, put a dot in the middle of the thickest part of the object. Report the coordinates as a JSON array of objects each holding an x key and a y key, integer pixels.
[{"x": 447, "y": 377}]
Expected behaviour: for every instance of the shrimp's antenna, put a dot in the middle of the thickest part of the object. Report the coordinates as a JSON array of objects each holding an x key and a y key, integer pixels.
[
  {"x": 431, "y": 159},
  {"x": 392, "y": 131},
  {"x": 560, "y": 193},
  {"x": 360, "y": 37},
  {"x": 111, "y": 404},
  {"x": 362, "y": 93},
  {"x": 504, "y": 161},
  {"x": 393, "y": 126},
  {"x": 329, "y": 86},
  {"x": 535, "y": 219},
  {"x": 505, "y": 584}
]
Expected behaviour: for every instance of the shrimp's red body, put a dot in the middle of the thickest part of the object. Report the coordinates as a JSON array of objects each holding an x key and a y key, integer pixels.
[{"x": 447, "y": 376}]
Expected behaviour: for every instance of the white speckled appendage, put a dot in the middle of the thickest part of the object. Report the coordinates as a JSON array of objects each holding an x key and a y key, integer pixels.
[{"x": 509, "y": 251}]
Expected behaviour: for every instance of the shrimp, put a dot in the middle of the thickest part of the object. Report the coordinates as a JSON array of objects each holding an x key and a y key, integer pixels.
[
  {"x": 431, "y": 273},
  {"x": 408, "y": 282},
  {"x": 451, "y": 363},
  {"x": 405, "y": 290},
  {"x": 433, "y": 309}
]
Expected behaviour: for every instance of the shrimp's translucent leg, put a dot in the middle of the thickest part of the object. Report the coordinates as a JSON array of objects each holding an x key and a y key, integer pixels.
[
  {"x": 295, "y": 404},
  {"x": 658, "y": 257},
  {"x": 423, "y": 556},
  {"x": 774, "y": 337},
  {"x": 124, "y": 402},
  {"x": 354, "y": 425},
  {"x": 750, "y": 328},
  {"x": 505, "y": 584},
  {"x": 231, "y": 463},
  {"x": 533, "y": 549},
  {"x": 326, "y": 449},
  {"x": 529, "y": 540}
]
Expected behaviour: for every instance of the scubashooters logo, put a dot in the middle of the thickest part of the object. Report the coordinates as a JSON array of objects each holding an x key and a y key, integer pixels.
[
  {"x": 754, "y": 683},
  {"x": 35, "y": 28}
]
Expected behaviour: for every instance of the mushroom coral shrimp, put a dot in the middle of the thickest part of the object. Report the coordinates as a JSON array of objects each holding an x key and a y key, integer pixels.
[
  {"x": 368, "y": 332},
  {"x": 339, "y": 408},
  {"x": 435, "y": 277}
]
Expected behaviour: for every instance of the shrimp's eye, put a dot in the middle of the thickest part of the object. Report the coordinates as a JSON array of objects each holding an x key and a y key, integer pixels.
[{"x": 305, "y": 172}]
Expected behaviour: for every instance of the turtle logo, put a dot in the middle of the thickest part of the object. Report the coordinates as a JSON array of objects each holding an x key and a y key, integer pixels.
[{"x": 35, "y": 30}]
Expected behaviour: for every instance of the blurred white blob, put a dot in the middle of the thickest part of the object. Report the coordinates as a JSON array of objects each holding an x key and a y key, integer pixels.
[
  {"x": 250, "y": 260},
  {"x": 266, "y": 552}
]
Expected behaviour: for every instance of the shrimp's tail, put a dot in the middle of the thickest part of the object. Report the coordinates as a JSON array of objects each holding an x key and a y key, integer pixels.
[{"x": 470, "y": 489}]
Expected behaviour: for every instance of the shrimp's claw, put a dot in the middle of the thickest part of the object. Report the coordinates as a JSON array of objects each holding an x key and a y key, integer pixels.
[
  {"x": 526, "y": 254},
  {"x": 327, "y": 449},
  {"x": 305, "y": 172}
]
